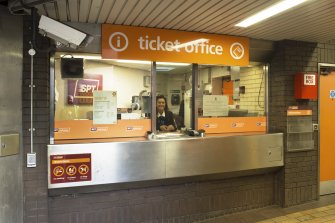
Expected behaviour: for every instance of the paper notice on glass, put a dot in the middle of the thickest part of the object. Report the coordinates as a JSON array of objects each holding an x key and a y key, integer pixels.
[
  {"x": 104, "y": 107},
  {"x": 215, "y": 105}
]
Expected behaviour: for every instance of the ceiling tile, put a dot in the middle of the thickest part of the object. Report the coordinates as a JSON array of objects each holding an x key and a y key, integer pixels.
[{"x": 314, "y": 20}]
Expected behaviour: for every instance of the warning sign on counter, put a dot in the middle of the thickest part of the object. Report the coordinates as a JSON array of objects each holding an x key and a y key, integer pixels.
[{"x": 70, "y": 168}]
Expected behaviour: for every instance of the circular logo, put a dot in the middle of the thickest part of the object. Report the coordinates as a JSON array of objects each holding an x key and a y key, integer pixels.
[
  {"x": 237, "y": 50},
  {"x": 58, "y": 171},
  {"x": 83, "y": 169},
  {"x": 118, "y": 41},
  {"x": 71, "y": 170}
]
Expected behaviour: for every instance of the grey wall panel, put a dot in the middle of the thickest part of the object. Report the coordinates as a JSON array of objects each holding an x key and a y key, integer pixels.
[
  {"x": 217, "y": 155},
  {"x": 116, "y": 162},
  {"x": 11, "y": 197}
]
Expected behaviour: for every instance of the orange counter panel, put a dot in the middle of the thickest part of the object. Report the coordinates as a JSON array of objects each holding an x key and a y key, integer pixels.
[
  {"x": 84, "y": 129},
  {"x": 232, "y": 124}
]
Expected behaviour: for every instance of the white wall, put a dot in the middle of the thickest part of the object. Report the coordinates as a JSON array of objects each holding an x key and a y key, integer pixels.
[
  {"x": 126, "y": 81},
  {"x": 253, "y": 78}
]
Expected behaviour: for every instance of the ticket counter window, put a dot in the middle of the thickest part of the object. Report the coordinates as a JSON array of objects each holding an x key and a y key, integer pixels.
[
  {"x": 174, "y": 82},
  {"x": 232, "y": 99},
  {"x": 111, "y": 99}
]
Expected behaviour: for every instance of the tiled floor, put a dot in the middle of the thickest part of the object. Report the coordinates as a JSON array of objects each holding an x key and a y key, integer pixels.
[{"x": 319, "y": 211}]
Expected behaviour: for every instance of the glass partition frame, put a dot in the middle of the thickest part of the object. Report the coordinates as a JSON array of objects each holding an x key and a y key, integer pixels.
[{"x": 195, "y": 96}]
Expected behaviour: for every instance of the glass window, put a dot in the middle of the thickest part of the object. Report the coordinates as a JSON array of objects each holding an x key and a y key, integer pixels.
[
  {"x": 227, "y": 99},
  {"x": 232, "y": 92},
  {"x": 174, "y": 95},
  {"x": 74, "y": 99}
]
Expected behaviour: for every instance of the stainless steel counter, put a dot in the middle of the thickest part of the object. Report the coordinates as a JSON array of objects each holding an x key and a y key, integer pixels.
[{"x": 124, "y": 162}]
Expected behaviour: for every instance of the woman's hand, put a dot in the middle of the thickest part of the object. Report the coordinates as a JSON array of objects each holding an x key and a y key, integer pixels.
[
  {"x": 170, "y": 128},
  {"x": 163, "y": 128},
  {"x": 167, "y": 128}
]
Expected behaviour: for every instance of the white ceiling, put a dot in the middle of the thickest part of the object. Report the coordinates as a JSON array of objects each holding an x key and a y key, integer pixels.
[{"x": 312, "y": 21}]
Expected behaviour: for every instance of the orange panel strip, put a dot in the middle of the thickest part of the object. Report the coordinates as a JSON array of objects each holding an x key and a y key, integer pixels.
[
  {"x": 84, "y": 129},
  {"x": 232, "y": 124}
]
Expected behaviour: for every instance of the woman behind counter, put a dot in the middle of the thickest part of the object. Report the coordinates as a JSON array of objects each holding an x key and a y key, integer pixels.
[{"x": 164, "y": 121}]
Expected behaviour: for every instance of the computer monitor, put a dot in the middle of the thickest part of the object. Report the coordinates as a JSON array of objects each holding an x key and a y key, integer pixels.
[
  {"x": 237, "y": 112},
  {"x": 72, "y": 68}
]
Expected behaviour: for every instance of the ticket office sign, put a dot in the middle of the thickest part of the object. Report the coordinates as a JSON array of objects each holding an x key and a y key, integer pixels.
[
  {"x": 70, "y": 168},
  {"x": 151, "y": 44}
]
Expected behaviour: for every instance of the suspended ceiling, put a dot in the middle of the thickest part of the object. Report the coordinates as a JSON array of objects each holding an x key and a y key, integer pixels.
[{"x": 313, "y": 21}]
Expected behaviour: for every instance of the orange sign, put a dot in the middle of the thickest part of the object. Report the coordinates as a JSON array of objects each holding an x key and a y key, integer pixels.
[
  {"x": 299, "y": 112},
  {"x": 232, "y": 124},
  {"x": 138, "y": 43}
]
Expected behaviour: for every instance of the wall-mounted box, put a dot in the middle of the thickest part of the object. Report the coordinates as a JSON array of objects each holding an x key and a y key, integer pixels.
[
  {"x": 9, "y": 144},
  {"x": 306, "y": 86}
]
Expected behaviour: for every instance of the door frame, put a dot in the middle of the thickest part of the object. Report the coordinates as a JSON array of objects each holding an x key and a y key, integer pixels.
[{"x": 325, "y": 188}]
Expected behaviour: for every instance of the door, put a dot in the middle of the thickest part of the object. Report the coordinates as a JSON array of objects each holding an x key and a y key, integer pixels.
[{"x": 327, "y": 132}]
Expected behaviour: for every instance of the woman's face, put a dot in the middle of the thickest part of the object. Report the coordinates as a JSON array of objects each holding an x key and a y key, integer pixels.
[{"x": 160, "y": 105}]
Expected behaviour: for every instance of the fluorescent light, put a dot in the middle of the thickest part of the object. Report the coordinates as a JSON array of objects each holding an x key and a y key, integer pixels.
[
  {"x": 86, "y": 57},
  {"x": 164, "y": 68},
  {"x": 97, "y": 57},
  {"x": 172, "y": 64},
  {"x": 194, "y": 42},
  {"x": 269, "y": 12},
  {"x": 133, "y": 61},
  {"x": 149, "y": 62}
]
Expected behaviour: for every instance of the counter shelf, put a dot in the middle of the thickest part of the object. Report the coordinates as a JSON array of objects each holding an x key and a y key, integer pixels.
[{"x": 116, "y": 163}]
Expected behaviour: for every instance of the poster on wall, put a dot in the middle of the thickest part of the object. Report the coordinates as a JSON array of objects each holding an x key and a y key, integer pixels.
[
  {"x": 215, "y": 105},
  {"x": 80, "y": 92},
  {"x": 104, "y": 107},
  {"x": 70, "y": 168}
]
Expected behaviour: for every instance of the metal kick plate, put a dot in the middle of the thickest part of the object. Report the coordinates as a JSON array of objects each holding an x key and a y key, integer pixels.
[{"x": 9, "y": 144}]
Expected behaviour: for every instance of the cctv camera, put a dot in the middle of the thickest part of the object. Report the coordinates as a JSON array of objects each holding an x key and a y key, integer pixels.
[{"x": 62, "y": 34}]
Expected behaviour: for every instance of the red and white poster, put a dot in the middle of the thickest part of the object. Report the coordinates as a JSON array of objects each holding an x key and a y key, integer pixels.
[
  {"x": 70, "y": 168},
  {"x": 81, "y": 91}
]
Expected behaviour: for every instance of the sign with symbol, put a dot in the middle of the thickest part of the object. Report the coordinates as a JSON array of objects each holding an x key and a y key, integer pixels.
[
  {"x": 83, "y": 169},
  {"x": 58, "y": 171},
  {"x": 141, "y": 43},
  {"x": 332, "y": 94},
  {"x": 70, "y": 168},
  {"x": 81, "y": 91},
  {"x": 309, "y": 79}
]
